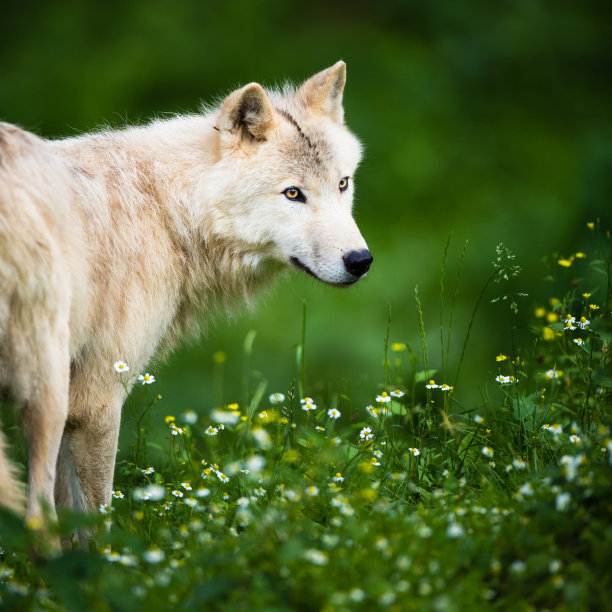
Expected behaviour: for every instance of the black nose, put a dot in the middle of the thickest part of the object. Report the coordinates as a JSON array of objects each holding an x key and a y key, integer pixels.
[{"x": 358, "y": 262}]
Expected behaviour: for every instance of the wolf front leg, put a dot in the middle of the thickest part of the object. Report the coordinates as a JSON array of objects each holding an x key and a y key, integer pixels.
[{"x": 86, "y": 461}]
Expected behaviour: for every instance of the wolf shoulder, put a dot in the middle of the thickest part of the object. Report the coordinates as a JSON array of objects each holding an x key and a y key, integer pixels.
[{"x": 37, "y": 185}]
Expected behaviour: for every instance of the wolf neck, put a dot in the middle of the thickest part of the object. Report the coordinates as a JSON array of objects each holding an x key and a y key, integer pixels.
[{"x": 145, "y": 180}]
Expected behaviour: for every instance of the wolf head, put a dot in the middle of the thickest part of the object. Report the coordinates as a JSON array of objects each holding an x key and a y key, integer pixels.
[{"x": 283, "y": 182}]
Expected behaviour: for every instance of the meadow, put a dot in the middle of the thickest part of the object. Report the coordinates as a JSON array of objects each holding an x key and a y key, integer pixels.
[{"x": 289, "y": 500}]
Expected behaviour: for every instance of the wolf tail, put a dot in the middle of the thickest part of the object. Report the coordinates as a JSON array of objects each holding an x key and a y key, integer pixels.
[{"x": 11, "y": 491}]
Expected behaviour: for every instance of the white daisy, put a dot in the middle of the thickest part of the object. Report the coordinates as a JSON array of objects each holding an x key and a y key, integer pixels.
[
  {"x": 372, "y": 411},
  {"x": 562, "y": 501},
  {"x": 504, "y": 380},
  {"x": 121, "y": 366},
  {"x": 225, "y": 416},
  {"x": 146, "y": 379},
  {"x": 153, "y": 555},
  {"x": 308, "y": 404},
  {"x": 366, "y": 433}
]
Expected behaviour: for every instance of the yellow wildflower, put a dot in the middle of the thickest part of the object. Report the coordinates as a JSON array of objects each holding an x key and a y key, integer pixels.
[
  {"x": 368, "y": 495},
  {"x": 219, "y": 357},
  {"x": 33, "y": 523},
  {"x": 291, "y": 456},
  {"x": 268, "y": 416},
  {"x": 366, "y": 467}
]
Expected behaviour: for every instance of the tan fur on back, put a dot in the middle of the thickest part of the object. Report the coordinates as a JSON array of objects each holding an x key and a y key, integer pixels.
[{"x": 113, "y": 244}]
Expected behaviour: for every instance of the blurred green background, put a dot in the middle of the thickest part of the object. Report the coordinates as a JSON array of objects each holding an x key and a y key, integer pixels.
[{"x": 490, "y": 120}]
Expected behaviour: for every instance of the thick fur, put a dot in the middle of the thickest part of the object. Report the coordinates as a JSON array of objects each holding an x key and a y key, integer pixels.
[{"x": 113, "y": 243}]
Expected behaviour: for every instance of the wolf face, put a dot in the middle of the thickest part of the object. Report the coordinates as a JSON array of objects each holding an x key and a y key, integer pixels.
[{"x": 284, "y": 180}]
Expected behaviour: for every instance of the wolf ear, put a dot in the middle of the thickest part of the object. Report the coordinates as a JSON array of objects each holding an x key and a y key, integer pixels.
[
  {"x": 247, "y": 112},
  {"x": 323, "y": 91}
]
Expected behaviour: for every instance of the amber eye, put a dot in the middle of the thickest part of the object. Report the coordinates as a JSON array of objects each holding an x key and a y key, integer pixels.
[
  {"x": 294, "y": 194},
  {"x": 344, "y": 183}
]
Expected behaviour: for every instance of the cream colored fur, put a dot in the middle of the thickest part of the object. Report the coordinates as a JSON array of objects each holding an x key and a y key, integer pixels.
[{"x": 113, "y": 243}]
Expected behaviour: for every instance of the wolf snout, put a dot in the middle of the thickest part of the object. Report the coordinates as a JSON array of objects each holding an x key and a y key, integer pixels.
[{"x": 358, "y": 262}]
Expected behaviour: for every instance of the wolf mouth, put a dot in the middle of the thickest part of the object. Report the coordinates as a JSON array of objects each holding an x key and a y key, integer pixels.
[{"x": 302, "y": 266}]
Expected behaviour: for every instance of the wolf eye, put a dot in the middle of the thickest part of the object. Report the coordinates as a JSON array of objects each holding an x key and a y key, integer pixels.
[
  {"x": 344, "y": 183},
  {"x": 294, "y": 194}
]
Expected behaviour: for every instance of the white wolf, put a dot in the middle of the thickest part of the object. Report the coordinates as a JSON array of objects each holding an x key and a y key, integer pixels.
[{"x": 111, "y": 243}]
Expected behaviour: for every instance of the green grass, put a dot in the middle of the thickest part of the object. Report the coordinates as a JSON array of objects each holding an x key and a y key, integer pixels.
[{"x": 417, "y": 502}]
